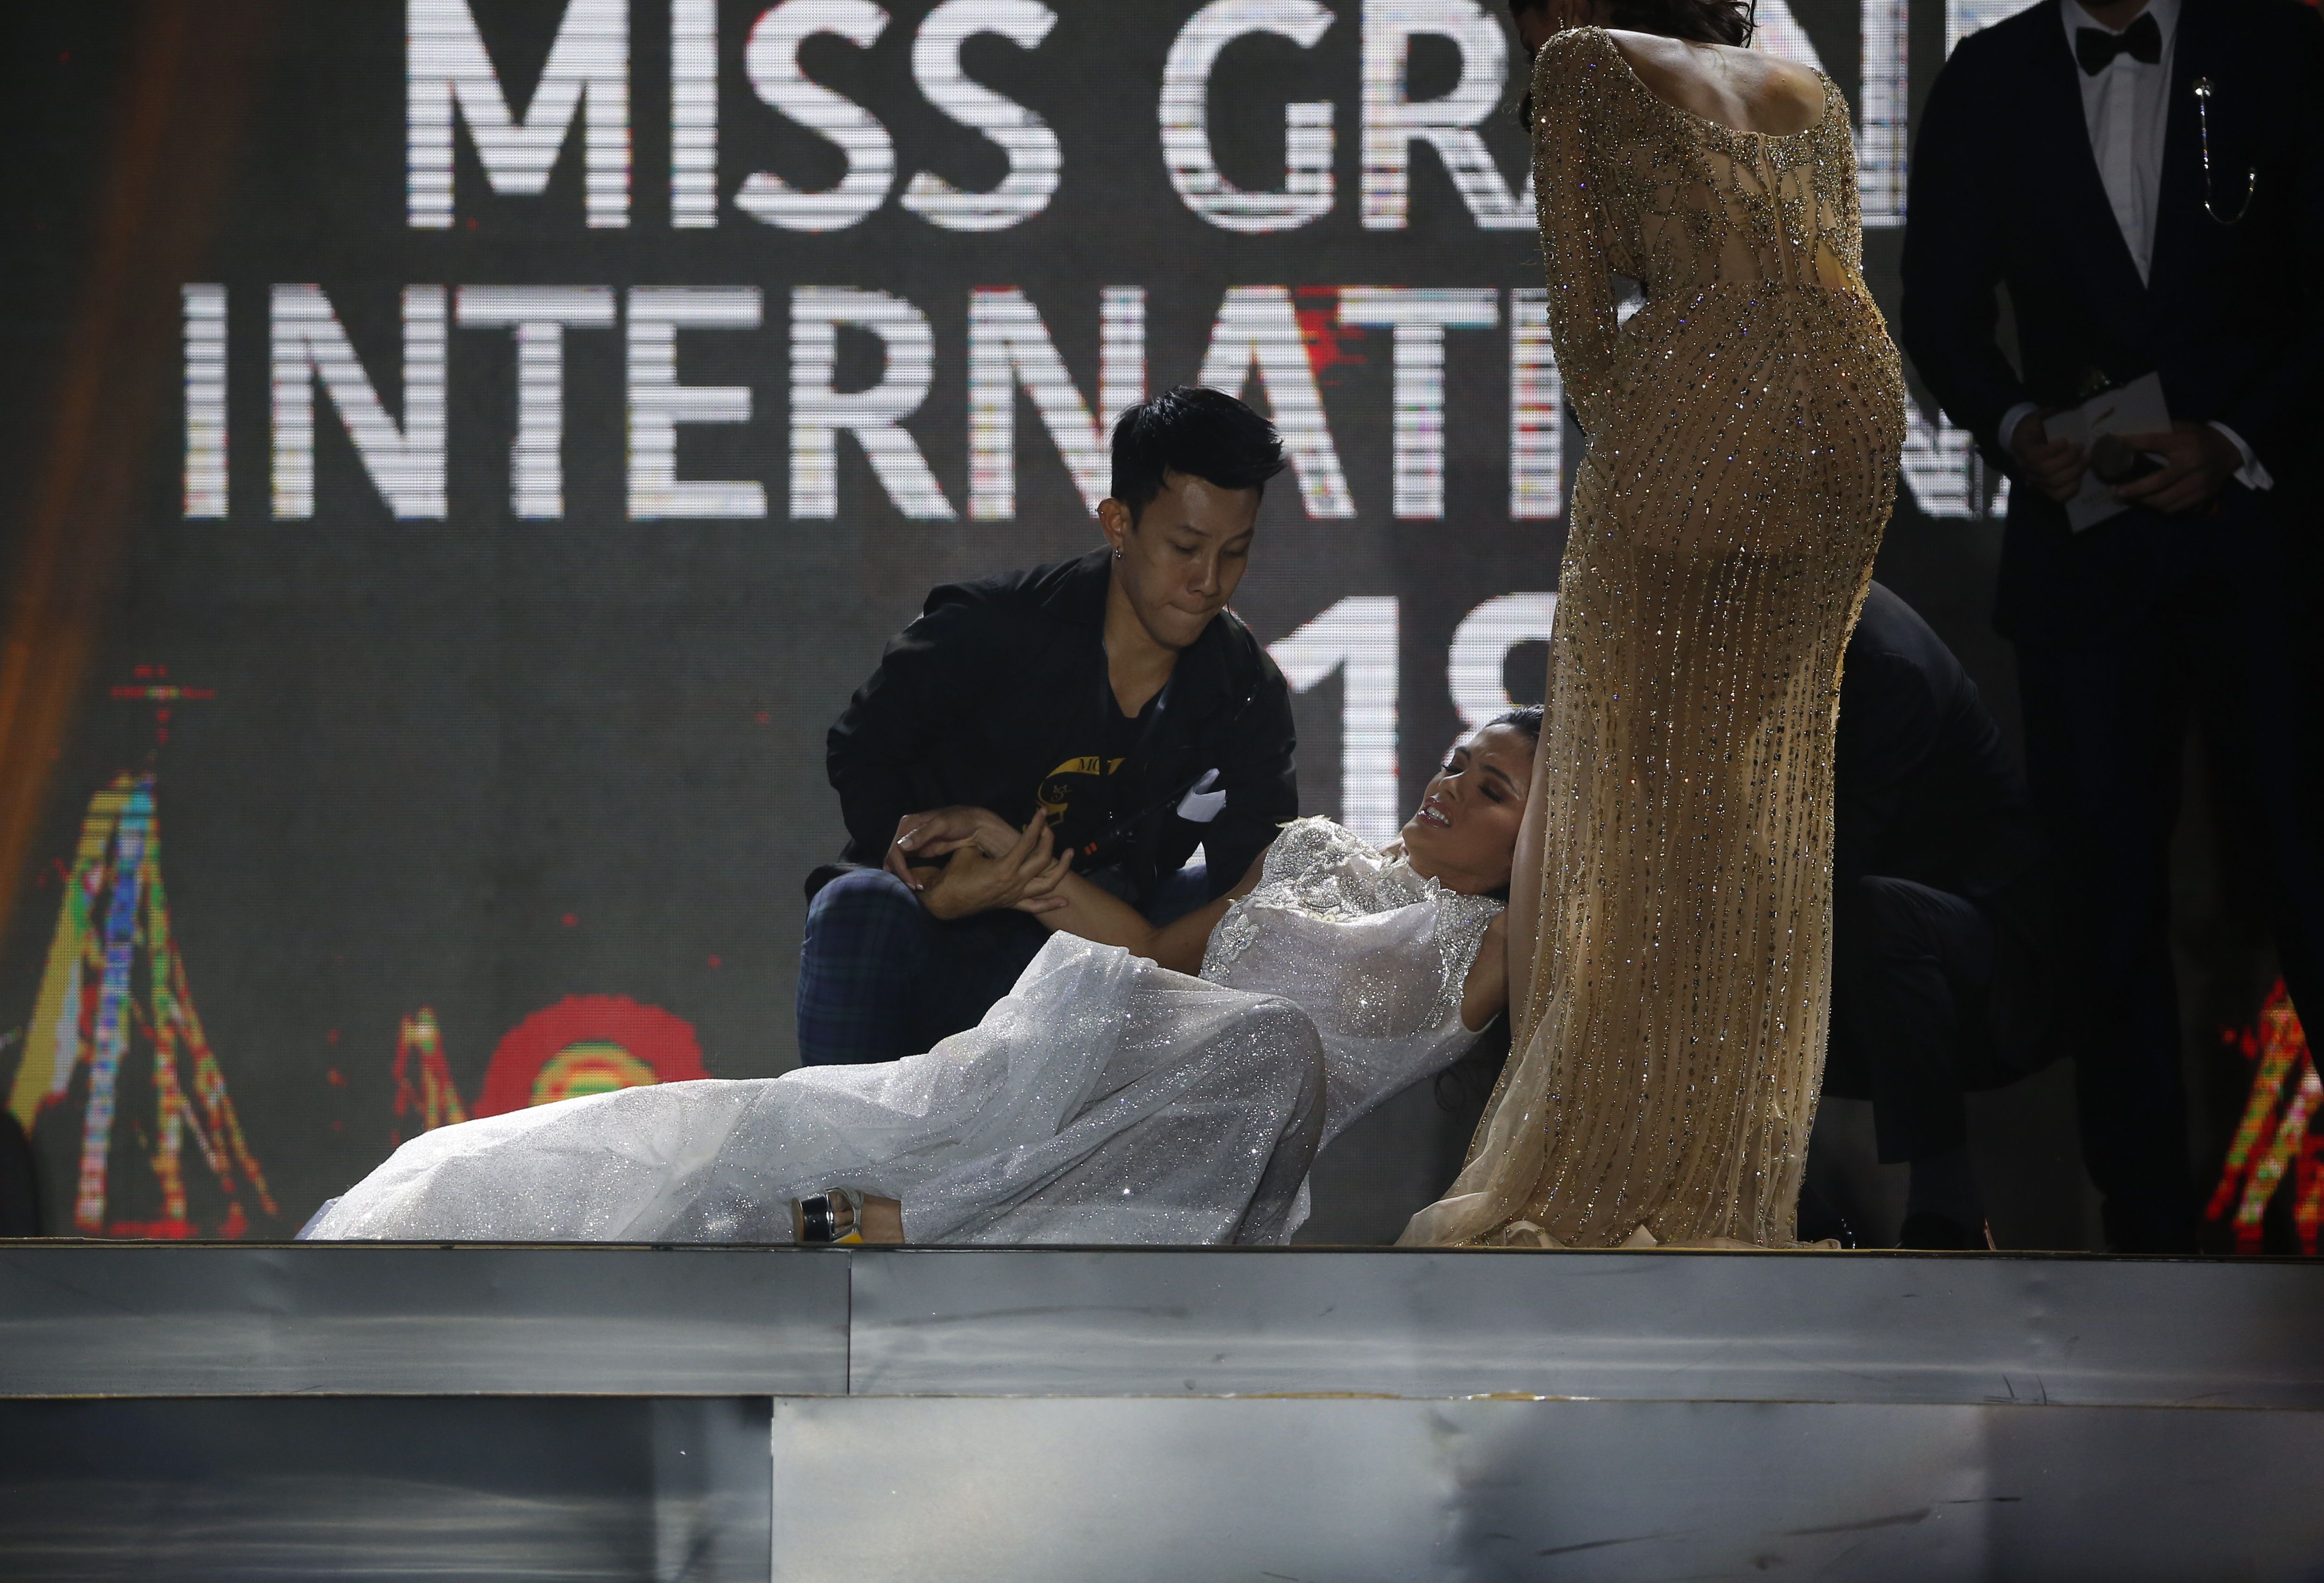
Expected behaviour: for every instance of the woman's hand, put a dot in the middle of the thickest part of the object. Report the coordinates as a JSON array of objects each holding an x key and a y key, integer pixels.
[
  {"x": 924, "y": 840},
  {"x": 1024, "y": 874}
]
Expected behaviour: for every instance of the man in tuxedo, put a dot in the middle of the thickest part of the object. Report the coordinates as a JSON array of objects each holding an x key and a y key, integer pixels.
[{"x": 2063, "y": 155}]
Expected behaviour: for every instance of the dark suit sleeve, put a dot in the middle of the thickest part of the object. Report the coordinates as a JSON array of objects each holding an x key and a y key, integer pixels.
[
  {"x": 878, "y": 752},
  {"x": 2277, "y": 415},
  {"x": 1953, "y": 256},
  {"x": 1262, "y": 789}
]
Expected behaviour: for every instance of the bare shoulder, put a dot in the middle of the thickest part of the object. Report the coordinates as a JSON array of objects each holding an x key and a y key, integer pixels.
[
  {"x": 1781, "y": 80},
  {"x": 1747, "y": 89},
  {"x": 1654, "y": 52}
]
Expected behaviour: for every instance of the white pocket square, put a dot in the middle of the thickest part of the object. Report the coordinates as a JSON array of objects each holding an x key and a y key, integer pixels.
[{"x": 1201, "y": 805}]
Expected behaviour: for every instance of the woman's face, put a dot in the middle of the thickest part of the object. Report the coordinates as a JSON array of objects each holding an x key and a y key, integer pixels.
[{"x": 1466, "y": 829}]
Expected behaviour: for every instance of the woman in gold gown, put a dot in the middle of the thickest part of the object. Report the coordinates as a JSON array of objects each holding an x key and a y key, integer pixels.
[{"x": 1669, "y": 1004}]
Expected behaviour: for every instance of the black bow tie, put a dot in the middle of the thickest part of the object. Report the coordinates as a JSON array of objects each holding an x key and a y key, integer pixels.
[{"x": 2096, "y": 48}]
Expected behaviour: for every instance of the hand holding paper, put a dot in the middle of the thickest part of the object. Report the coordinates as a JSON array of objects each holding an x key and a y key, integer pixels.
[
  {"x": 2195, "y": 461},
  {"x": 2135, "y": 411}
]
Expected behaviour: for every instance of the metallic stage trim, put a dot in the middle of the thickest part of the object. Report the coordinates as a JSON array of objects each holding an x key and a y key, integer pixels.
[
  {"x": 1045, "y": 1491},
  {"x": 162, "y": 1319},
  {"x": 1809, "y": 1327},
  {"x": 89, "y": 1319},
  {"x": 1055, "y": 1415}
]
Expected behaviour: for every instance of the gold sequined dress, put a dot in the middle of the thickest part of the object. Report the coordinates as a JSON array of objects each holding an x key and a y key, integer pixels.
[{"x": 1744, "y": 426}]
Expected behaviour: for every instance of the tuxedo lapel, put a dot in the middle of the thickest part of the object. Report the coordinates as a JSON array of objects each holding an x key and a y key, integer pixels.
[
  {"x": 2179, "y": 201},
  {"x": 2070, "y": 176}
]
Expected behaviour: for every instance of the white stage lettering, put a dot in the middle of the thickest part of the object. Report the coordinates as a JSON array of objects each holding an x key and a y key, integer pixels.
[
  {"x": 693, "y": 114},
  {"x": 405, "y": 463},
  {"x": 1537, "y": 412},
  {"x": 1419, "y": 317},
  {"x": 1257, "y": 332},
  {"x": 771, "y": 62},
  {"x": 1476, "y": 668},
  {"x": 1306, "y": 193},
  {"x": 659, "y": 403},
  {"x": 1009, "y": 346},
  {"x": 206, "y": 408},
  {"x": 1036, "y": 163},
  {"x": 874, "y": 415},
  {"x": 1357, "y": 638},
  {"x": 1394, "y": 121},
  {"x": 447, "y": 65},
  {"x": 539, "y": 315}
]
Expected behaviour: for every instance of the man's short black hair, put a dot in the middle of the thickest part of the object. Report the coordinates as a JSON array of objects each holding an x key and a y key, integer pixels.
[{"x": 1191, "y": 429}]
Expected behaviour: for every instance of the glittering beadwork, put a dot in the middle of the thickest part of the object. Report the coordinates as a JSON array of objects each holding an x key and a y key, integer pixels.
[
  {"x": 1377, "y": 955},
  {"x": 1744, "y": 428},
  {"x": 1103, "y": 1100},
  {"x": 1329, "y": 873}
]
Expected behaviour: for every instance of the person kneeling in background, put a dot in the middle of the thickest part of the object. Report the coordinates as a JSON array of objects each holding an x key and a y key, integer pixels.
[{"x": 1944, "y": 949}]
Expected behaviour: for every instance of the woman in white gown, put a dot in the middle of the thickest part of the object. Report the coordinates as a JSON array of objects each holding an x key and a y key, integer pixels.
[{"x": 1109, "y": 1097}]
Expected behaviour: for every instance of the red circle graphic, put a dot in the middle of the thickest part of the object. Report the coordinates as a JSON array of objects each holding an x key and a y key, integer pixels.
[{"x": 586, "y": 1044}]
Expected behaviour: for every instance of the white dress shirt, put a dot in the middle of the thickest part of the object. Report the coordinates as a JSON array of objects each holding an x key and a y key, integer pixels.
[
  {"x": 2128, "y": 108},
  {"x": 2125, "y": 107}
]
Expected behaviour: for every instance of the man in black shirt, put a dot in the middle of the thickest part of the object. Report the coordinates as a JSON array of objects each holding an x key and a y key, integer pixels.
[
  {"x": 1943, "y": 950},
  {"x": 1114, "y": 698}
]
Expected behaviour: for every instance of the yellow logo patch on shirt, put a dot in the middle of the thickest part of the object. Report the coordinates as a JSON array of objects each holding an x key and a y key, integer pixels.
[{"x": 1056, "y": 793}]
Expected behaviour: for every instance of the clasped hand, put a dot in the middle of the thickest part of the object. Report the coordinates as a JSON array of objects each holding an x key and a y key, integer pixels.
[
  {"x": 963, "y": 860},
  {"x": 2198, "y": 461}
]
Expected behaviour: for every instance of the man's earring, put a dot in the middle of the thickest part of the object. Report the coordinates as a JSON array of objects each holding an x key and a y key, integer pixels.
[{"x": 1117, "y": 552}]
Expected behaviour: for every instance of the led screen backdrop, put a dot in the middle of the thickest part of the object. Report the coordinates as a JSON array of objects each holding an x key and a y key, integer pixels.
[{"x": 464, "y": 453}]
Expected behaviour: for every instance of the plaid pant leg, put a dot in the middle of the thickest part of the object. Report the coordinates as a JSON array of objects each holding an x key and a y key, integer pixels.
[{"x": 866, "y": 945}]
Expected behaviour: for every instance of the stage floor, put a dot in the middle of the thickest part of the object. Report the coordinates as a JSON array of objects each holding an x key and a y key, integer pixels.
[{"x": 387, "y": 1412}]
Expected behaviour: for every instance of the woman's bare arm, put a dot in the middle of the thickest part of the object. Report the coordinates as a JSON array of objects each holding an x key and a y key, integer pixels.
[
  {"x": 1096, "y": 914},
  {"x": 1064, "y": 900},
  {"x": 1487, "y": 988},
  {"x": 1520, "y": 924},
  {"x": 991, "y": 868}
]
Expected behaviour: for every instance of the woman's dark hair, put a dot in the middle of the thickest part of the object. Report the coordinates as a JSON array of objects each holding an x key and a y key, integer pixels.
[
  {"x": 1702, "y": 22},
  {"x": 1527, "y": 719},
  {"x": 1699, "y": 21},
  {"x": 1192, "y": 430}
]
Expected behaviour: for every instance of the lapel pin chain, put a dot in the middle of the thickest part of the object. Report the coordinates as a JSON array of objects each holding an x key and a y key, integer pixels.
[{"x": 2203, "y": 92}]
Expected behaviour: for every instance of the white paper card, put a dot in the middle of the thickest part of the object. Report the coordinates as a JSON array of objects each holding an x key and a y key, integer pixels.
[{"x": 2136, "y": 407}]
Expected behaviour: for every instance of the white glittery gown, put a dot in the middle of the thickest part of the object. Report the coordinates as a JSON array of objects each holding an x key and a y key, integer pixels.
[{"x": 1106, "y": 1100}]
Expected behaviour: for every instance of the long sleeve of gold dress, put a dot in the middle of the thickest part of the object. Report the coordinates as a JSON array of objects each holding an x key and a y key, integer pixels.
[{"x": 1744, "y": 428}]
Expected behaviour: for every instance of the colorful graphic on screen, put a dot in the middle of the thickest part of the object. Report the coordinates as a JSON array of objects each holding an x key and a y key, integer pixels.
[
  {"x": 588, "y": 1044},
  {"x": 424, "y": 1090},
  {"x": 114, "y": 997},
  {"x": 2275, "y": 1141}
]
